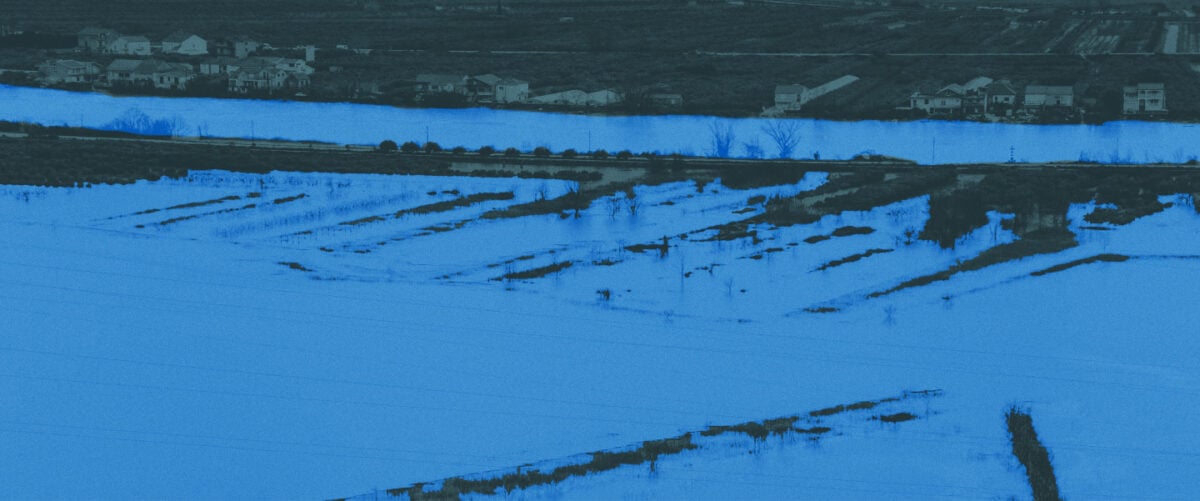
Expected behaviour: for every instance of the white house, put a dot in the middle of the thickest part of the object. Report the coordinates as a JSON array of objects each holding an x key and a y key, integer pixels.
[
  {"x": 184, "y": 43},
  {"x": 131, "y": 46},
  {"x": 150, "y": 73},
  {"x": 665, "y": 100},
  {"x": 606, "y": 97},
  {"x": 428, "y": 82},
  {"x": 1148, "y": 98},
  {"x": 977, "y": 84},
  {"x": 59, "y": 71},
  {"x": 120, "y": 71},
  {"x": 97, "y": 39},
  {"x": 948, "y": 99},
  {"x": 1044, "y": 96},
  {"x": 238, "y": 46},
  {"x": 573, "y": 97},
  {"x": 267, "y": 74},
  {"x": 1001, "y": 93},
  {"x": 220, "y": 66},
  {"x": 511, "y": 90},
  {"x": 795, "y": 96},
  {"x": 790, "y": 97},
  {"x": 579, "y": 98},
  {"x": 169, "y": 76}
]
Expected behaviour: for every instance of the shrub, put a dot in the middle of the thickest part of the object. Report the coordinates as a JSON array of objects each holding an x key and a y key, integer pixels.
[
  {"x": 570, "y": 153},
  {"x": 486, "y": 151},
  {"x": 624, "y": 155},
  {"x": 387, "y": 145},
  {"x": 600, "y": 154},
  {"x": 459, "y": 150},
  {"x": 410, "y": 147},
  {"x": 432, "y": 147},
  {"x": 541, "y": 152},
  {"x": 511, "y": 152}
]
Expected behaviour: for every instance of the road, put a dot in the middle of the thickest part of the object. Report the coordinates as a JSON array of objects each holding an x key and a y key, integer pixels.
[
  {"x": 787, "y": 54},
  {"x": 520, "y": 162}
]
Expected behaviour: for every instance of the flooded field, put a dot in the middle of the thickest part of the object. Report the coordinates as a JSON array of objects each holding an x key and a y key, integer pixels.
[{"x": 363, "y": 331}]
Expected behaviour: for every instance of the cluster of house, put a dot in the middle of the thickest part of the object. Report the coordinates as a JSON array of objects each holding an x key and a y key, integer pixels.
[
  {"x": 490, "y": 88},
  {"x": 985, "y": 96},
  {"x": 106, "y": 41},
  {"x": 233, "y": 61}
]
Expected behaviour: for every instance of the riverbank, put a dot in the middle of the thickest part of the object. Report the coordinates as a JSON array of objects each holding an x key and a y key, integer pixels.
[{"x": 70, "y": 156}]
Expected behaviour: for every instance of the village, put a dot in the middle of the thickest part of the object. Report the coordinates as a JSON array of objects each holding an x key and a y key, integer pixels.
[
  {"x": 1106, "y": 70},
  {"x": 239, "y": 66},
  {"x": 983, "y": 98}
]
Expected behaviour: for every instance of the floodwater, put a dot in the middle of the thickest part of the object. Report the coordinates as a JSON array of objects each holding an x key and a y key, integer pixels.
[{"x": 927, "y": 142}]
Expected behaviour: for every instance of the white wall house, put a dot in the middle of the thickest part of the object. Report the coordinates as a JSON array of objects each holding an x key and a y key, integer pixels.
[
  {"x": 573, "y": 97},
  {"x": 184, "y": 43},
  {"x": 97, "y": 39},
  {"x": 59, "y": 71},
  {"x": 131, "y": 45},
  {"x": 579, "y": 98},
  {"x": 220, "y": 66},
  {"x": 511, "y": 90},
  {"x": 790, "y": 97},
  {"x": 1001, "y": 93},
  {"x": 269, "y": 74},
  {"x": 428, "y": 82},
  {"x": 606, "y": 97},
  {"x": 946, "y": 100},
  {"x": 238, "y": 46},
  {"x": 1044, "y": 96},
  {"x": 1145, "y": 98},
  {"x": 120, "y": 71}
]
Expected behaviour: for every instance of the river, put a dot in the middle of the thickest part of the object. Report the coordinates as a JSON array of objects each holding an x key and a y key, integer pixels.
[{"x": 927, "y": 142}]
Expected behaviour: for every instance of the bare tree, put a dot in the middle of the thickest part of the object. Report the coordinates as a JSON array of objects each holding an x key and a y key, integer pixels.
[
  {"x": 785, "y": 133},
  {"x": 753, "y": 148},
  {"x": 722, "y": 138},
  {"x": 614, "y": 207}
]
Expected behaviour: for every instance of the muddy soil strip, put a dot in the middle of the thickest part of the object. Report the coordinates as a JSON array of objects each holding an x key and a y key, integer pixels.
[
  {"x": 443, "y": 206},
  {"x": 1032, "y": 454},
  {"x": 536, "y": 272},
  {"x": 1046, "y": 241},
  {"x": 844, "y": 231},
  {"x": 850, "y": 259},
  {"x": 190, "y": 205},
  {"x": 1105, "y": 258},
  {"x": 647, "y": 452},
  {"x": 205, "y": 214}
]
